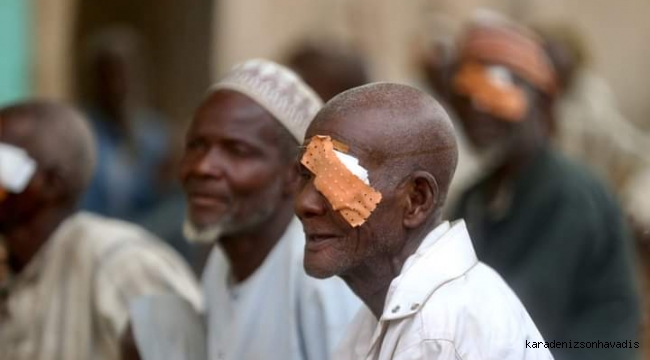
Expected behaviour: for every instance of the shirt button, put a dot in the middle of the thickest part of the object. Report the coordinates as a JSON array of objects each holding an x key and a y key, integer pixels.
[
  {"x": 395, "y": 309},
  {"x": 415, "y": 306}
]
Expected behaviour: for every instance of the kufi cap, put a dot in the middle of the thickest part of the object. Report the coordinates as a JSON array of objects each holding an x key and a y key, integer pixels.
[{"x": 278, "y": 90}]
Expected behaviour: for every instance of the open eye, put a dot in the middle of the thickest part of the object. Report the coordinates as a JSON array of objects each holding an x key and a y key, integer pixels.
[{"x": 196, "y": 144}]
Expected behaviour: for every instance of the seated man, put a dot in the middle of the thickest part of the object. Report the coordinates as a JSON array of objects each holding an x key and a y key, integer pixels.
[
  {"x": 375, "y": 173},
  {"x": 73, "y": 274},
  {"x": 548, "y": 226},
  {"x": 239, "y": 172}
]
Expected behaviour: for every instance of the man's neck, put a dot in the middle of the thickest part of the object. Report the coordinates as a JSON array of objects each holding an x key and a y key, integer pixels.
[
  {"x": 371, "y": 281},
  {"x": 25, "y": 240},
  {"x": 247, "y": 251}
]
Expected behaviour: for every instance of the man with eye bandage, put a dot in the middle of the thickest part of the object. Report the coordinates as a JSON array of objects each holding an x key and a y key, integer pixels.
[
  {"x": 375, "y": 170},
  {"x": 547, "y": 225},
  {"x": 71, "y": 274}
]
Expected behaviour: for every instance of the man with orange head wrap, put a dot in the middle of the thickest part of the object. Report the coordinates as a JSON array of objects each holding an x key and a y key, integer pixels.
[{"x": 545, "y": 224}]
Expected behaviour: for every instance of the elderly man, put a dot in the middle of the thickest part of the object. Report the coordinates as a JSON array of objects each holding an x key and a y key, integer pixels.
[
  {"x": 72, "y": 274},
  {"x": 544, "y": 223},
  {"x": 240, "y": 176},
  {"x": 375, "y": 172}
]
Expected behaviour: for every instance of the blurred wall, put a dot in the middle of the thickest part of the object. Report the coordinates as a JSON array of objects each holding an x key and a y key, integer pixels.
[
  {"x": 177, "y": 43},
  {"x": 388, "y": 31},
  {"x": 53, "y": 22},
  {"x": 184, "y": 35},
  {"x": 177, "y": 38}
]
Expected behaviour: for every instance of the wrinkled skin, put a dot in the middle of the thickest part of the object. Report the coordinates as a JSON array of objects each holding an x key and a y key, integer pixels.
[{"x": 232, "y": 170}]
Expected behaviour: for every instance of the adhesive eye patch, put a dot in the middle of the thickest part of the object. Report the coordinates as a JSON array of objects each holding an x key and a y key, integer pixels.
[
  {"x": 340, "y": 178},
  {"x": 16, "y": 169},
  {"x": 492, "y": 89}
]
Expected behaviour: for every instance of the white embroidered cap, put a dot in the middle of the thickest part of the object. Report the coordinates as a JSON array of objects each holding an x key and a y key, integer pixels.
[{"x": 276, "y": 88}]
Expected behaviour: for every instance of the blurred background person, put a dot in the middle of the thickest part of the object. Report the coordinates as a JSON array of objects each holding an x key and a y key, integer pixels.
[
  {"x": 437, "y": 64},
  {"x": 132, "y": 141},
  {"x": 547, "y": 225},
  {"x": 137, "y": 154},
  {"x": 73, "y": 274},
  {"x": 328, "y": 67}
]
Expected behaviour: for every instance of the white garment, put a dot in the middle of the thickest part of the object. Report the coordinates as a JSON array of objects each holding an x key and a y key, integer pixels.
[
  {"x": 445, "y": 304},
  {"x": 71, "y": 301},
  {"x": 278, "y": 312},
  {"x": 593, "y": 131}
]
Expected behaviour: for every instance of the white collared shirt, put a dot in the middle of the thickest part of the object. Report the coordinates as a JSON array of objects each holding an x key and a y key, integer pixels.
[
  {"x": 445, "y": 304},
  {"x": 279, "y": 312}
]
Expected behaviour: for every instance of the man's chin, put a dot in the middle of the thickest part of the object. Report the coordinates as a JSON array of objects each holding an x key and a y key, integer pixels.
[
  {"x": 207, "y": 234},
  {"x": 319, "y": 271}
]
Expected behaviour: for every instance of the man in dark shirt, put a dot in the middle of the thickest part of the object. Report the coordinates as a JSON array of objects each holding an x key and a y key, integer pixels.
[{"x": 546, "y": 225}]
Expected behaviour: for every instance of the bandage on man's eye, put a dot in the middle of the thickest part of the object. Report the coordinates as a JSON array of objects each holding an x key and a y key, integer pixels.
[
  {"x": 492, "y": 90},
  {"x": 16, "y": 169},
  {"x": 340, "y": 178}
]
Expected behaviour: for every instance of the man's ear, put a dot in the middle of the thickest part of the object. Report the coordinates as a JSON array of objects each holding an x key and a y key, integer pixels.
[
  {"x": 291, "y": 180},
  {"x": 422, "y": 195}
]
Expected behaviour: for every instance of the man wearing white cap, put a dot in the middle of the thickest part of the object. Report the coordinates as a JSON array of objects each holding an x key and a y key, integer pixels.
[{"x": 239, "y": 173}]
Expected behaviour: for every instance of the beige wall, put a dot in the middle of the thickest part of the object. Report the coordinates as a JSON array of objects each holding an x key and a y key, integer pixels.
[
  {"x": 386, "y": 31},
  {"x": 177, "y": 36},
  {"x": 52, "y": 47}
]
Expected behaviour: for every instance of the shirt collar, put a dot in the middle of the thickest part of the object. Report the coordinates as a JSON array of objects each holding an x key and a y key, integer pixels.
[{"x": 445, "y": 254}]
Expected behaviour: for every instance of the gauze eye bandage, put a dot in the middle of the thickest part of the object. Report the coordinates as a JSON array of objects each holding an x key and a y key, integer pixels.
[
  {"x": 340, "y": 178},
  {"x": 16, "y": 169}
]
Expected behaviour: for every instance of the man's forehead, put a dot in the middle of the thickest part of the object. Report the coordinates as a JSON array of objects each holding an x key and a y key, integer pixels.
[
  {"x": 343, "y": 143},
  {"x": 15, "y": 128},
  {"x": 351, "y": 131},
  {"x": 231, "y": 111}
]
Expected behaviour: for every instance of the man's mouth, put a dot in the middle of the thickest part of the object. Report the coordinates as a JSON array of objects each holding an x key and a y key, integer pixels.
[
  {"x": 206, "y": 200},
  {"x": 316, "y": 242}
]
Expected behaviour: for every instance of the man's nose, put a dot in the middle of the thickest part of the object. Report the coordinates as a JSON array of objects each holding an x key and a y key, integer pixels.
[
  {"x": 209, "y": 164},
  {"x": 309, "y": 202}
]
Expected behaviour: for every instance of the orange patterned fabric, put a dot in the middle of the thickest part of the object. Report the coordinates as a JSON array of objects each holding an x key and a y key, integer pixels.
[
  {"x": 506, "y": 101},
  {"x": 514, "y": 48},
  {"x": 349, "y": 195}
]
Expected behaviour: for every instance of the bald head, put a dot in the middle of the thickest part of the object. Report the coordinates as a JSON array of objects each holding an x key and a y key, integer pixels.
[
  {"x": 397, "y": 127},
  {"x": 56, "y": 136},
  {"x": 405, "y": 142}
]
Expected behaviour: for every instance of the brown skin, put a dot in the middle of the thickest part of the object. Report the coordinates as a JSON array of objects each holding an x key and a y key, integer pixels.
[
  {"x": 520, "y": 141},
  {"x": 236, "y": 171},
  {"x": 28, "y": 219},
  {"x": 128, "y": 346},
  {"x": 406, "y": 142}
]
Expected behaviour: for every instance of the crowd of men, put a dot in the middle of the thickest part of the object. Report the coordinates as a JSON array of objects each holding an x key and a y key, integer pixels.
[{"x": 318, "y": 203}]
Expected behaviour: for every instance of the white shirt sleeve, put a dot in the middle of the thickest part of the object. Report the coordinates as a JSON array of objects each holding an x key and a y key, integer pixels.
[{"x": 136, "y": 269}]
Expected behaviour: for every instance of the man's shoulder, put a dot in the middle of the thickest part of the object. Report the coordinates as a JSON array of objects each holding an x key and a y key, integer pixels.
[
  {"x": 478, "y": 304},
  {"x": 105, "y": 231},
  {"x": 107, "y": 239}
]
